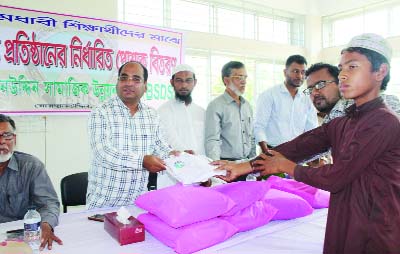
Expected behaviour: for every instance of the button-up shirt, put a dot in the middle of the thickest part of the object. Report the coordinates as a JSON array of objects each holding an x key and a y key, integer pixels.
[
  {"x": 119, "y": 142},
  {"x": 228, "y": 132},
  {"x": 280, "y": 117},
  {"x": 25, "y": 182}
]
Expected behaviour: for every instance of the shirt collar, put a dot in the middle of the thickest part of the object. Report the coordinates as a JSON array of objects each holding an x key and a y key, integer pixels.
[
  {"x": 13, "y": 164},
  {"x": 353, "y": 111},
  {"x": 180, "y": 102},
  {"x": 229, "y": 98},
  {"x": 284, "y": 90},
  {"x": 121, "y": 104}
]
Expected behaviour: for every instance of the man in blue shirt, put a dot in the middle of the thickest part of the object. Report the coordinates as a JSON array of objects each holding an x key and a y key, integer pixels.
[
  {"x": 24, "y": 182},
  {"x": 283, "y": 112}
]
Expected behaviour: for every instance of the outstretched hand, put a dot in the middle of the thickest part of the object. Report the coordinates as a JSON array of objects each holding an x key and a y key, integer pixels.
[
  {"x": 233, "y": 170},
  {"x": 277, "y": 163}
]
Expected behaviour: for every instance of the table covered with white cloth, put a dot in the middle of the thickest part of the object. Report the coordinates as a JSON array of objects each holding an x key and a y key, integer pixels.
[{"x": 82, "y": 236}]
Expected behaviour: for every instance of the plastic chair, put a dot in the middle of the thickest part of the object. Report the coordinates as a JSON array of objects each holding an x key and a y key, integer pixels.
[{"x": 73, "y": 190}]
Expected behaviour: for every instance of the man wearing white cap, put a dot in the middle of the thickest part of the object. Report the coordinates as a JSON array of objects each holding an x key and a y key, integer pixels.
[
  {"x": 364, "y": 179},
  {"x": 181, "y": 119}
]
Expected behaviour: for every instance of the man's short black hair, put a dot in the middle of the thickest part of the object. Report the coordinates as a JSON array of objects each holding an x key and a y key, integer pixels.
[
  {"x": 227, "y": 69},
  {"x": 295, "y": 59},
  {"x": 7, "y": 119},
  {"x": 145, "y": 72},
  {"x": 375, "y": 59},
  {"x": 332, "y": 70}
]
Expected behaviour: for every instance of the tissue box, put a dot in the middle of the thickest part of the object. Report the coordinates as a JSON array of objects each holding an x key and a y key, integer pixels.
[{"x": 124, "y": 234}]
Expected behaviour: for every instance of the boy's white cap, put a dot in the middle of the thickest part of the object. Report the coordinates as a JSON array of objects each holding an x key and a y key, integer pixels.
[
  {"x": 372, "y": 42},
  {"x": 182, "y": 67}
]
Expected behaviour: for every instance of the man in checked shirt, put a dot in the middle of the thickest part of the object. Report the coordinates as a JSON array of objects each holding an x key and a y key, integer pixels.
[{"x": 126, "y": 142}]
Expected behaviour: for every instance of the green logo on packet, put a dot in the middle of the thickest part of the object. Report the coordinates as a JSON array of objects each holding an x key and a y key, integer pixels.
[{"x": 179, "y": 164}]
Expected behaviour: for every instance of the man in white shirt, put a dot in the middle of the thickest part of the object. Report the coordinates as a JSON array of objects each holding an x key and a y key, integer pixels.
[
  {"x": 182, "y": 121},
  {"x": 282, "y": 112}
]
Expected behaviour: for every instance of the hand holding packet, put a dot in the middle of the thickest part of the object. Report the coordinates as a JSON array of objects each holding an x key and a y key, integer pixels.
[{"x": 189, "y": 169}]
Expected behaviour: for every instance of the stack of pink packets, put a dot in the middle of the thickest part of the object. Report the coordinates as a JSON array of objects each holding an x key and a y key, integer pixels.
[{"x": 191, "y": 218}]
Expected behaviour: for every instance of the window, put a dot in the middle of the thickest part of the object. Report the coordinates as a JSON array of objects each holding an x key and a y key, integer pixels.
[
  {"x": 199, "y": 62},
  {"x": 352, "y": 26},
  {"x": 382, "y": 18},
  {"x": 229, "y": 22},
  {"x": 377, "y": 22},
  {"x": 281, "y": 31},
  {"x": 394, "y": 83},
  {"x": 150, "y": 12},
  {"x": 182, "y": 16},
  {"x": 265, "y": 29},
  {"x": 273, "y": 30},
  {"x": 395, "y": 19},
  {"x": 249, "y": 26}
]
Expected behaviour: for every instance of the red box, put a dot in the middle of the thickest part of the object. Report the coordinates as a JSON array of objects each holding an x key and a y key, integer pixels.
[{"x": 124, "y": 234}]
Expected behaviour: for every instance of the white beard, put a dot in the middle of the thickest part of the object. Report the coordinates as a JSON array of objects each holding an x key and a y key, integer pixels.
[
  {"x": 235, "y": 89},
  {"x": 5, "y": 157}
]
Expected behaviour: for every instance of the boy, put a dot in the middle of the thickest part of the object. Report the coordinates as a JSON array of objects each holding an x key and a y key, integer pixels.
[{"x": 364, "y": 179}]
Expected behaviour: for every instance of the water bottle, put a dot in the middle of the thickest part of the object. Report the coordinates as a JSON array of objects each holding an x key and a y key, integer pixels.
[{"x": 32, "y": 231}]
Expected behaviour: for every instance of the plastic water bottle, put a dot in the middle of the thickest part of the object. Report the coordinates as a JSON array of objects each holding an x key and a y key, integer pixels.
[{"x": 32, "y": 231}]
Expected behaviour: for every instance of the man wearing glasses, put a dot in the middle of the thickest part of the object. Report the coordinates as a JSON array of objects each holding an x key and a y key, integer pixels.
[
  {"x": 283, "y": 112},
  {"x": 126, "y": 142},
  {"x": 229, "y": 119},
  {"x": 323, "y": 89},
  {"x": 181, "y": 118},
  {"x": 24, "y": 182}
]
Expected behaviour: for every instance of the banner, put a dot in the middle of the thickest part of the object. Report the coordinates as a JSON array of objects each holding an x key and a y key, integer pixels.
[{"x": 58, "y": 63}]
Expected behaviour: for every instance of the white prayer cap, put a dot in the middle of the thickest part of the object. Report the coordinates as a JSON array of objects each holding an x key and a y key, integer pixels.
[
  {"x": 182, "y": 67},
  {"x": 372, "y": 42}
]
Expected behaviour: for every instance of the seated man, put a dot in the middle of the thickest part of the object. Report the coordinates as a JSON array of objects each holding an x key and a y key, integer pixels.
[{"x": 24, "y": 182}]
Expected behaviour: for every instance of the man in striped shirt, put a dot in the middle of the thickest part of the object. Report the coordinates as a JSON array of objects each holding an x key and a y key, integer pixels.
[{"x": 126, "y": 142}]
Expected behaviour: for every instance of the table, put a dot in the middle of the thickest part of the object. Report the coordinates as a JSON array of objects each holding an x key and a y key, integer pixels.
[{"x": 82, "y": 236}]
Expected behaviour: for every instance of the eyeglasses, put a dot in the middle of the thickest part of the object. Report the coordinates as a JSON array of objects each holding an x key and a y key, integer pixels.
[
  {"x": 319, "y": 85},
  {"x": 126, "y": 78},
  {"x": 7, "y": 135},
  {"x": 240, "y": 77}
]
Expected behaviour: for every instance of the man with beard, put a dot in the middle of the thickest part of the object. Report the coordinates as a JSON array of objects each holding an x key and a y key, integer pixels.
[
  {"x": 282, "y": 111},
  {"x": 126, "y": 142},
  {"x": 323, "y": 88},
  {"x": 229, "y": 119},
  {"x": 181, "y": 119},
  {"x": 23, "y": 183}
]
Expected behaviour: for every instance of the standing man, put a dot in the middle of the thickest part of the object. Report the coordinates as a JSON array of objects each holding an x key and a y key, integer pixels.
[
  {"x": 229, "y": 118},
  {"x": 364, "y": 179},
  {"x": 323, "y": 89},
  {"x": 24, "y": 182},
  {"x": 126, "y": 142},
  {"x": 181, "y": 119},
  {"x": 282, "y": 111}
]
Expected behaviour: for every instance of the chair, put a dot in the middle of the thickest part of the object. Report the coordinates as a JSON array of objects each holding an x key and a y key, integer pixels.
[{"x": 73, "y": 190}]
